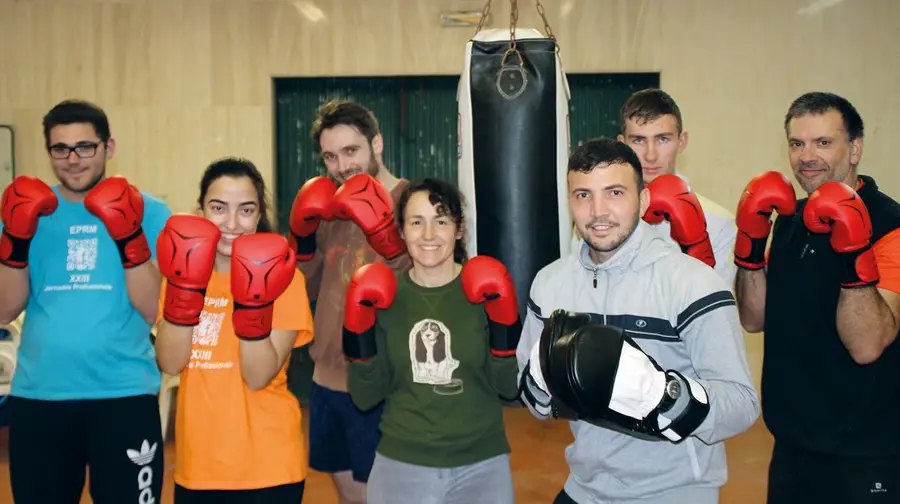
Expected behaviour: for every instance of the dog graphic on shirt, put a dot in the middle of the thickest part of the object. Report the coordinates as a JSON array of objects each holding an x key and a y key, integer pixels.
[{"x": 432, "y": 362}]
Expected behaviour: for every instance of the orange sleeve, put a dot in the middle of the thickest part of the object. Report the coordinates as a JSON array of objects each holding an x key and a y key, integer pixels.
[
  {"x": 292, "y": 313},
  {"x": 887, "y": 256}
]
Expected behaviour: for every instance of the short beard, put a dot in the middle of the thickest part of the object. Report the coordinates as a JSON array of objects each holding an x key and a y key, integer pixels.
[
  {"x": 374, "y": 167},
  {"x": 90, "y": 185},
  {"x": 615, "y": 245},
  {"x": 810, "y": 187}
]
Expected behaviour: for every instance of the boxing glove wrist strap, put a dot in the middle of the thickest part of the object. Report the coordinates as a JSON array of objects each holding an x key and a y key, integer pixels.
[
  {"x": 252, "y": 323},
  {"x": 683, "y": 407},
  {"x": 755, "y": 259},
  {"x": 134, "y": 249},
  {"x": 183, "y": 305},
  {"x": 504, "y": 339},
  {"x": 14, "y": 250},
  {"x": 540, "y": 400},
  {"x": 858, "y": 268},
  {"x": 359, "y": 346},
  {"x": 534, "y": 394},
  {"x": 304, "y": 246}
]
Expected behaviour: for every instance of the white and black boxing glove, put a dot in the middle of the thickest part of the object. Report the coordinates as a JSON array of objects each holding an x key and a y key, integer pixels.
[{"x": 598, "y": 374}]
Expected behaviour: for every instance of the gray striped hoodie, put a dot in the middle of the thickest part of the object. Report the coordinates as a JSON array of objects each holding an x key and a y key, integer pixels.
[{"x": 683, "y": 315}]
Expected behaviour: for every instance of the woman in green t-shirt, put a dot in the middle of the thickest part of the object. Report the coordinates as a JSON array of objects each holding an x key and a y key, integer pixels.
[{"x": 441, "y": 354}]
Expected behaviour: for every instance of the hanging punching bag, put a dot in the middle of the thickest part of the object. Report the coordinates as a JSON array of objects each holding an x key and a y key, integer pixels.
[{"x": 513, "y": 152}]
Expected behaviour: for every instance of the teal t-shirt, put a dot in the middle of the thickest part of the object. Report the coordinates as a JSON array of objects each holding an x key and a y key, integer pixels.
[{"x": 82, "y": 338}]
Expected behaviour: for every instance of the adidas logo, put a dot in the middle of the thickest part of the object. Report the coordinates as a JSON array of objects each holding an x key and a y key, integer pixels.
[
  {"x": 145, "y": 475},
  {"x": 143, "y": 457}
]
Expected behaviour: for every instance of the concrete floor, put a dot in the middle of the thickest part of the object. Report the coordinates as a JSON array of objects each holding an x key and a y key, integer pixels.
[{"x": 539, "y": 468}]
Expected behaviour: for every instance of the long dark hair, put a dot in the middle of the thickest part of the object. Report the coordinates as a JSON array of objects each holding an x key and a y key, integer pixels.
[
  {"x": 448, "y": 201},
  {"x": 236, "y": 168}
]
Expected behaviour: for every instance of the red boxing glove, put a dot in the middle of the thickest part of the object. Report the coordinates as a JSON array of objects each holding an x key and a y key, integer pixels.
[
  {"x": 764, "y": 194},
  {"x": 24, "y": 201},
  {"x": 366, "y": 202},
  {"x": 672, "y": 199},
  {"x": 372, "y": 287},
  {"x": 486, "y": 280},
  {"x": 186, "y": 251},
  {"x": 836, "y": 208},
  {"x": 311, "y": 205},
  {"x": 262, "y": 268},
  {"x": 120, "y": 207}
]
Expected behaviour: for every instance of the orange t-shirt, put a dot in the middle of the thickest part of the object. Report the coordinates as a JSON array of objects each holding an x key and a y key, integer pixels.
[
  {"x": 228, "y": 437},
  {"x": 887, "y": 257}
]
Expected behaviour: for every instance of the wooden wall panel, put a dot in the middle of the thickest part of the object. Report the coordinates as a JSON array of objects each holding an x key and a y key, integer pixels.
[
  {"x": 185, "y": 82},
  {"x": 733, "y": 67}
]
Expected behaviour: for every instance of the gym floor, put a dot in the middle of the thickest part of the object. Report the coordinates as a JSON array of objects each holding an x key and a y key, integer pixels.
[{"x": 539, "y": 468}]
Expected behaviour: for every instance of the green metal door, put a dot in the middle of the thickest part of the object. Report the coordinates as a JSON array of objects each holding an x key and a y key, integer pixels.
[
  {"x": 596, "y": 100},
  {"x": 418, "y": 119}
]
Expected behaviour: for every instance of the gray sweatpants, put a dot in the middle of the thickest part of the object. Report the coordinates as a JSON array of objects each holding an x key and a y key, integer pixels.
[
  {"x": 395, "y": 482},
  {"x": 686, "y": 495}
]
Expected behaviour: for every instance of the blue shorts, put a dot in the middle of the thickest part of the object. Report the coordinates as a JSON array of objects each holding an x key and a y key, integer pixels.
[{"x": 341, "y": 437}]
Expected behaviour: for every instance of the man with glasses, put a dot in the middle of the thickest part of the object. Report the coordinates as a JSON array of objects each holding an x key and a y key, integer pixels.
[{"x": 79, "y": 259}]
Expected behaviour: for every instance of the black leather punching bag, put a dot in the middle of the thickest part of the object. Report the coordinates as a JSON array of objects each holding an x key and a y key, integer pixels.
[{"x": 513, "y": 150}]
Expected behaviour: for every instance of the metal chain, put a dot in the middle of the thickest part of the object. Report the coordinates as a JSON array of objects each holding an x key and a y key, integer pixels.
[
  {"x": 540, "y": 9},
  {"x": 513, "y": 17},
  {"x": 485, "y": 12},
  {"x": 547, "y": 29}
]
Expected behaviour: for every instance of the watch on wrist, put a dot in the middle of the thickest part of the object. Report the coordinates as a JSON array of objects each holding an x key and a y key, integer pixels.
[{"x": 670, "y": 394}]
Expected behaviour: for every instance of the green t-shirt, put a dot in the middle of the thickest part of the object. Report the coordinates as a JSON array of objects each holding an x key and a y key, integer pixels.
[{"x": 434, "y": 369}]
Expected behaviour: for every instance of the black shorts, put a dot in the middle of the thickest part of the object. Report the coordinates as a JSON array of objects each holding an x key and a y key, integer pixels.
[
  {"x": 51, "y": 443},
  {"x": 341, "y": 437},
  {"x": 282, "y": 494},
  {"x": 797, "y": 475}
]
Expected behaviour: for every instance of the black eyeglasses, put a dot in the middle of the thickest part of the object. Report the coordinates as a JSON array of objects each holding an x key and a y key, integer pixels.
[{"x": 82, "y": 150}]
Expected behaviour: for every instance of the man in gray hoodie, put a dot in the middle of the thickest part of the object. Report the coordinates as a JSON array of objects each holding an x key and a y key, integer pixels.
[{"x": 650, "y": 422}]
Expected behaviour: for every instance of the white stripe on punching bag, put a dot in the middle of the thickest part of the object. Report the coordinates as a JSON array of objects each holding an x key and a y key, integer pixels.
[{"x": 466, "y": 168}]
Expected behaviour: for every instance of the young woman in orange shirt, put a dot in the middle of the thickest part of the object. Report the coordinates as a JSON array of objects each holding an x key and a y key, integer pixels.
[{"x": 232, "y": 308}]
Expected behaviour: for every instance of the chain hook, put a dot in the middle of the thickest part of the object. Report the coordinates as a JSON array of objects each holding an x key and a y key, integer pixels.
[{"x": 513, "y": 19}]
